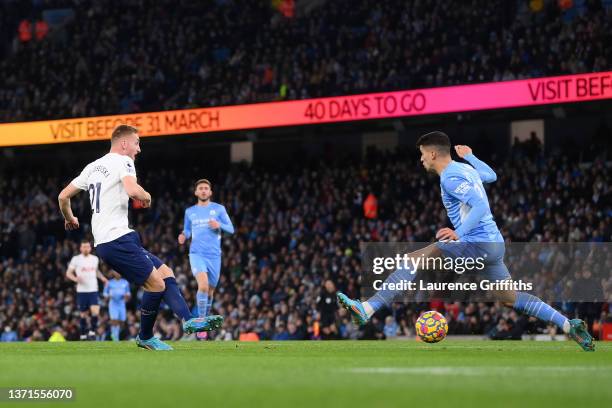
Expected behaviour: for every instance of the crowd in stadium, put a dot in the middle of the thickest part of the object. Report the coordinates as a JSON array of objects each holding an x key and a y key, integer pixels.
[
  {"x": 297, "y": 241},
  {"x": 122, "y": 57}
]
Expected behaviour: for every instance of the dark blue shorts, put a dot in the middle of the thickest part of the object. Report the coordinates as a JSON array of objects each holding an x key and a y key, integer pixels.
[
  {"x": 127, "y": 256},
  {"x": 86, "y": 299}
]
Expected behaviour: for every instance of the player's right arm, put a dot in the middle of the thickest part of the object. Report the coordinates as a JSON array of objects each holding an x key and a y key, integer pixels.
[
  {"x": 186, "y": 233},
  {"x": 76, "y": 186},
  {"x": 71, "y": 272},
  {"x": 70, "y": 221}
]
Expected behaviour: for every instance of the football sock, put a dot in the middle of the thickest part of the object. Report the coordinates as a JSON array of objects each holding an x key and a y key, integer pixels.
[
  {"x": 174, "y": 298},
  {"x": 209, "y": 305},
  {"x": 148, "y": 313},
  {"x": 94, "y": 323},
  {"x": 83, "y": 324},
  {"x": 368, "y": 308},
  {"x": 202, "y": 298},
  {"x": 115, "y": 330},
  {"x": 533, "y": 306},
  {"x": 384, "y": 297}
]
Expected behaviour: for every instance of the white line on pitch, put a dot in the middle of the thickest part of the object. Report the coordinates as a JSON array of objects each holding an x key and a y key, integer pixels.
[{"x": 475, "y": 371}]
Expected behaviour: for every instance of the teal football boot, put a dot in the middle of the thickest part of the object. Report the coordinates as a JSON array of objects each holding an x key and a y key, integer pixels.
[
  {"x": 354, "y": 307},
  {"x": 201, "y": 324},
  {"x": 153, "y": 344},
  {"x": 578, "y": 332}
]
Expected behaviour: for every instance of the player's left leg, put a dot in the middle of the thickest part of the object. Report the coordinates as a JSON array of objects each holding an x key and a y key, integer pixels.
[
  {"x": 174, "y": 298},
  {"x": 496, "y": 270},
  {"x": 531, "y": 305},
  {"x": 172, "y": 295},
  {"x": 83, "y": 324},
  {"x": 84, "y": 303},
  {"x": 116, "y": 314},
  {"x": 214, "y": 273},
  {"x": 122, "y": 318},
  {"x": 211, "y": 295},
  {"x": 202, "y": 294},
  {"x": 207, "y": 283},
  {"x": 154, "y": 288},
  {"x": 208, "y": 310},
  {"x": 202, "y": 298},
  {"x": 126, "y": 256},
  {"x": 199, "y": 269},
  {"x": 94, "y": 310},
  {"x": 207, "y": 307},
  {"x": 115, "y": 330}
]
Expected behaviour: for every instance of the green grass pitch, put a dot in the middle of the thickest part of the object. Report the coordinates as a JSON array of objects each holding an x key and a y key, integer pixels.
[{"x": 314, "y": 374}]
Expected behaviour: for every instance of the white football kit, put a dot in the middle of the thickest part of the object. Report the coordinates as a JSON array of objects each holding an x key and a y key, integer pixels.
[
  {"x": 86, "y": 268},
  {"x": 109, "y": 200}
]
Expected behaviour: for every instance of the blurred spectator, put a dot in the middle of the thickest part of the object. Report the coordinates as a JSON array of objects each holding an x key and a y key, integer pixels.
[
  {"x": 25, "y": 31},
  {"x": 41, "y": 29},
  {"x": 8, "y": 335},
  {"x": 281, "y": 333},
  {"x": 370, "y": 207},
  {"x": 391, "y": 328},
  {"x": 373, "y": 329},
  {"x": 328, "y": 306}
]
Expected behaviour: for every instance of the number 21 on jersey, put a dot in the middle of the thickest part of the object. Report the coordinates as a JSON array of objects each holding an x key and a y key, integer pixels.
[{"x": 94, "y": 196}]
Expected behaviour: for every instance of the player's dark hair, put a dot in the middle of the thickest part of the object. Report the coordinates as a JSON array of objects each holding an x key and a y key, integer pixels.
[
  {"x": 85, "y": 241},
  {"x": 438, "y": 140},
  {"x": 122, "y": 130},
  {"x": 203, "y": 181}
]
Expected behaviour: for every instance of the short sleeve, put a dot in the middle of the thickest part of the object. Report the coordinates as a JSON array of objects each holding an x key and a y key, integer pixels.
[
  {"x": 126, "y": 167},
  {"x": 73, "y": 263},
  {"x": 80, "y": 181}
]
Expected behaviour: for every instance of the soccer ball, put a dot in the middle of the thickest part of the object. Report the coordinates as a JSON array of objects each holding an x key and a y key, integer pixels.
[{"x": 431, "y": 327}]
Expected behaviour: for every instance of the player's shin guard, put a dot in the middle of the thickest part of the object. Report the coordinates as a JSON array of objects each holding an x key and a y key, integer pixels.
[
  {"x": 174, "y": 298},
  {"x": 534, "y": 306},
  {"x": 202, "y": 298},
  {"x": 148, "y": 313},
  {"x": 384, "y": 297},
  {"x": 94, "y": 323}
]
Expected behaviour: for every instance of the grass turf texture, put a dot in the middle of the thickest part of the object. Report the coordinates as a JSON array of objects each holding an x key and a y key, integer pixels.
[{"x": 311, "y": 374}]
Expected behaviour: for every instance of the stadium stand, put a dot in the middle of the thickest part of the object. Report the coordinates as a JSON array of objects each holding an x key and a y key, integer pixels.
[{"x": 96, "y": 61}]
